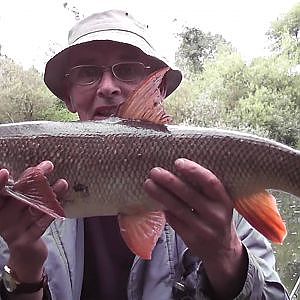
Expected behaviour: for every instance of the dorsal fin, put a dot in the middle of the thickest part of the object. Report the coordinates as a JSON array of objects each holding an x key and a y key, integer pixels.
[{"x": 145, "y": 103}]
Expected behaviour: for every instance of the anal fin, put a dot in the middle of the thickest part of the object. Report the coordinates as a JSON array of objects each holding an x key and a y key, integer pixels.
[
  {"x": 261, "y": 211},
  {"x": 141, "y": 231}
]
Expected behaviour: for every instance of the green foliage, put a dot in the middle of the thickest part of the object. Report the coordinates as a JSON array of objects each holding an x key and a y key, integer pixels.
[
  {"x": 291, "y": 48},
  {"x": 224, "y": 78},
  {"x": 214, "y": 91},
  {"x": 284, "y": 33},
  {"x": 275, "y": 112},
  {"x": 180, "y": 105},
  {"x": 222, "y": 90},
  {"x": 58, "y": 112},
  {"x": 24, "y": 96},
  {"x": 197, "y": 46},
  {"x": 21, "y": 93},
  {"x": 262, "y": 97},
  {"x": 272, "y": 100},
  {"x": 288, "y": 23}
]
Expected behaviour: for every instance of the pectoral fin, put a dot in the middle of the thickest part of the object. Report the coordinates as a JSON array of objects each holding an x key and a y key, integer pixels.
[
  {"x": 146, "y": 101},
  {"x": 141, "y": 231},
  {"x": 261, "y": 211},
  {"x": 34, "y": 190}
]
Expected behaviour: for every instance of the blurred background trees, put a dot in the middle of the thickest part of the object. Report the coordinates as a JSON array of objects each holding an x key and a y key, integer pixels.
[
  {"x": 220, "y": 89},
  {"x": 24, "y": 96}
]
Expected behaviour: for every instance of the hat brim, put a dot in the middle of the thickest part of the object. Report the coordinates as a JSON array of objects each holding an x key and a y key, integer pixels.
[{"x": 57, "y": 66}]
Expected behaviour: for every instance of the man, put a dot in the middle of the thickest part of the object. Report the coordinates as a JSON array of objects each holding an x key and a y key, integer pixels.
[{"x": 214, "y": 254}]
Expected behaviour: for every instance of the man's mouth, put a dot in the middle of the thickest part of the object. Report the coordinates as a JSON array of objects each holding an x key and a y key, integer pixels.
[{"x": 105, "y": 112}]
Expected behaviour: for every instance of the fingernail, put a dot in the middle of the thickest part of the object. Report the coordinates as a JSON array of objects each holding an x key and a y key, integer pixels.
[
  {"x": 46, "y": 165},
  {"x": 180, "y": 163},
  {"x": 148, "y": 182},
  {"x": 4, "y": 172},
  {"x": 156, "y": 171}
]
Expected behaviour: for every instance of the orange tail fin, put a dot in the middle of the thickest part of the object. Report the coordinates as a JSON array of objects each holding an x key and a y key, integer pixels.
[
  {"x": 141, "y": 231},
  {"x": 261, "y": 211}
]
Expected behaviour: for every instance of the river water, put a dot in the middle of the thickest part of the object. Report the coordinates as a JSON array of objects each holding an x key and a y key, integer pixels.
[{"x": 288, "y": 254}]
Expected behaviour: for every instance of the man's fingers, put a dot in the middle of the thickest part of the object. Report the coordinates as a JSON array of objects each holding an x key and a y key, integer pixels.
[
  {"x": 3, "y": 177},
  {"x": 175, "y": 185},
  {"x": 10, "y": 207},
  {"x": 36, "y": 230},
  {"x": 30, "y": 225},
  {"x": 32, "y": 232},
  {"x": 202, "y": 179},
  {"x": 46, "y": 167},
  {"x": 60, "y": 187},
  {"x": 168, "y": 200}
]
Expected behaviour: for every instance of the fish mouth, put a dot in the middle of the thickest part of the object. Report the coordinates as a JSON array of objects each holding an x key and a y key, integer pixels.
[{"x": 105, "y": 112}]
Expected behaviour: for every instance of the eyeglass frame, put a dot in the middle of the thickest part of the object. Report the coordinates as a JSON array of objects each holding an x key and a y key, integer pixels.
[{"x": 105, "y": 68}]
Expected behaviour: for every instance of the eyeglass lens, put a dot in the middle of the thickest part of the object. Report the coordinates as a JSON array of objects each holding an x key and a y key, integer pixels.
[{"x": 88, "y": 74}]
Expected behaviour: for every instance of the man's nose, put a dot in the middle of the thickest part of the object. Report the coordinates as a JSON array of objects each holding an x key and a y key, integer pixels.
[{"x": 108, "y": 85}]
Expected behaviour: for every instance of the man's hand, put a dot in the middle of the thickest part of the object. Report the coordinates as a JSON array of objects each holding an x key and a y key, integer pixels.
[
  {"x": 199, "y": 209},
  {"x": 22, "y": 227}
]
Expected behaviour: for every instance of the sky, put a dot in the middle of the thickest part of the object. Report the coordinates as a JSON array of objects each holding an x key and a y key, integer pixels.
[{"x": 29, "y": 29}]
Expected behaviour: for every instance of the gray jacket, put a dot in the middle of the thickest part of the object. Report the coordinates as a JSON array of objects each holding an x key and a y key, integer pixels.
[{"x": 171, "y": 271}]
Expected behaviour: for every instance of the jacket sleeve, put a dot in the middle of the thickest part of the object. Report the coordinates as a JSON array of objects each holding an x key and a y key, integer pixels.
[
  {"x": 262, "y": 280},
  {"x": 61, "y": 266}
]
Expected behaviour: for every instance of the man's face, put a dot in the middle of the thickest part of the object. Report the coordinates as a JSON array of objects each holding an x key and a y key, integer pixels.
[{"x": 100, "y": 99}]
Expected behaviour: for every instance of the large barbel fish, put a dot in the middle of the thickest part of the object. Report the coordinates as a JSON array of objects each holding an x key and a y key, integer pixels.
[{"x": 106, "y": 163}]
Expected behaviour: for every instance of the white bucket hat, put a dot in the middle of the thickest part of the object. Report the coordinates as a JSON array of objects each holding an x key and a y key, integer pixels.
[{"x": 112, "y": 25}]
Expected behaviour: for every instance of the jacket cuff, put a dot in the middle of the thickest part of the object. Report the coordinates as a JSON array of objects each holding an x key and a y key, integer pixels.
[{"x": 254, "y": 278}]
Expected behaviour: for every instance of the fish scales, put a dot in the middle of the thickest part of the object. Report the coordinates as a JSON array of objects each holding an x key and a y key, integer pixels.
[{"x": 106, "y": 162}]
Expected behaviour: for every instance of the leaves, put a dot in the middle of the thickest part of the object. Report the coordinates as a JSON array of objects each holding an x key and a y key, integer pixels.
[
  {"x": 24, "y": 96},
  {"x": 197, "y": 46},
  {"x": 284, "y": 33},
  {"x": 262, "y": 97}
]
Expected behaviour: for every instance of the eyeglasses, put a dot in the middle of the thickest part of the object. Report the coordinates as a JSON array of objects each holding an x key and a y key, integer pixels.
[{"x": 123, "y": 71}]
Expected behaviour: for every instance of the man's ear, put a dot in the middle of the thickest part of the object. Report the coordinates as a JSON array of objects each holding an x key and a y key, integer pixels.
[
  {"x": 163, "y": 88},
  {"x": 69, "y": 103},
  {"x": 67, "y": 99}
]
